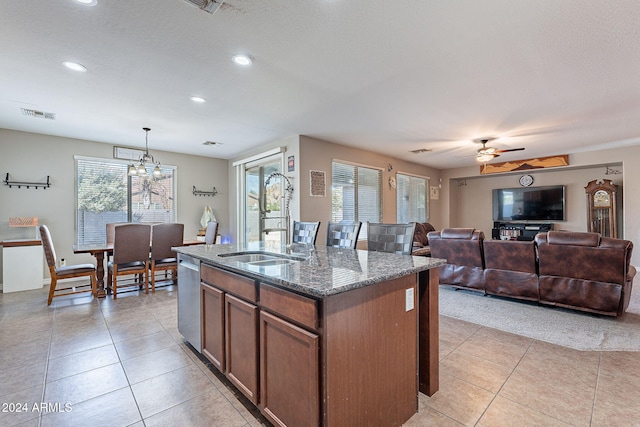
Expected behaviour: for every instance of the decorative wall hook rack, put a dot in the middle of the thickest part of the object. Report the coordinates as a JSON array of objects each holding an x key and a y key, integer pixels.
[
  {"x": 20, "y": 184},
  {"x": 204, "y": 193},
  {"x": 611, "y": 171}
]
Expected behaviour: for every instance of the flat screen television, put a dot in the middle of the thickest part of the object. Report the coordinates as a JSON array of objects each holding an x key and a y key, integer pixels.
[{"x": 529, "y": 204}]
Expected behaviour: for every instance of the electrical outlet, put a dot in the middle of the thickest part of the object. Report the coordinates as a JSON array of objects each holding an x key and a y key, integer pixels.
[{"x": 409, "y": 297}]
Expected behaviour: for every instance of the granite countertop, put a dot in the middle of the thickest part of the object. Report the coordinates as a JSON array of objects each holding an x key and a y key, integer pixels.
[{"x": 318, "y": 271}]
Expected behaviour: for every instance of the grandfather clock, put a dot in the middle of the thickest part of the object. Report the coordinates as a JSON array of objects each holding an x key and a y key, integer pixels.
[{"x": 602, "y": 207}]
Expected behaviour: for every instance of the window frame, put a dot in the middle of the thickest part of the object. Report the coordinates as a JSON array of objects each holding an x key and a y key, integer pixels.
[
  {"x": 357, "y": 194},
  {"x": 427, "y": 203},
  {"x": 129, "y": 190}
]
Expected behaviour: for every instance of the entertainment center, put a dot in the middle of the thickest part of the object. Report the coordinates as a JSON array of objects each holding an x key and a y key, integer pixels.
[
  {"x": 507, "y": 230},
  {"x": 521, "y": 213}
]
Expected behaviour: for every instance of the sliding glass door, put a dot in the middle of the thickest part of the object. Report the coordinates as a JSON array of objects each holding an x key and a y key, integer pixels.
[{"x": 263, "y": 202}]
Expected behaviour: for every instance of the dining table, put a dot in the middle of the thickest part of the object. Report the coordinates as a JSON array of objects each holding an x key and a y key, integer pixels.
[{"x": 98, "y": 250}]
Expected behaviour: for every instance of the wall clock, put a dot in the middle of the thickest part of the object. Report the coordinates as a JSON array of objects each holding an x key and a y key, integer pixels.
[{"x": 526, "y": 180}]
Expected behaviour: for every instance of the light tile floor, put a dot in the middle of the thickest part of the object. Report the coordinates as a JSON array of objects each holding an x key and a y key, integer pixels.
[{"x": 124, "y": 363}]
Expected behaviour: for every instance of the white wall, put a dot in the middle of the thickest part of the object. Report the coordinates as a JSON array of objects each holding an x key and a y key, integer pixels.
[{"x": 31, "y": 157}]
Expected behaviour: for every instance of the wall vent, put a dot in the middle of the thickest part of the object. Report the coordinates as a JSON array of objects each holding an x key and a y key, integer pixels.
[
  {"x": 209, "y": 6},
  {"x": 38, "y": 114}
]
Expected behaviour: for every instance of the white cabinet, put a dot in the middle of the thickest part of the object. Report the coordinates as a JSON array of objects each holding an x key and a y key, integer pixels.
[{"x": 22, "y": 265}]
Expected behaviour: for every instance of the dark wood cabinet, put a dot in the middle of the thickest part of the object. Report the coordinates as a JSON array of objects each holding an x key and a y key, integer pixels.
[
  {"x": 289, "y": 373},
  {"x": 241, "y": 333},
  {"x": 230, "y": 327},
  {"x": 213, "y": 347},
  {"x": 319, "y": 362}
]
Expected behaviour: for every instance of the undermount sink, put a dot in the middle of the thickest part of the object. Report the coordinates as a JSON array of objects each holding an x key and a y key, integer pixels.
[
  {"x": 249, "y": 257},
  {"x": 268, "y": 262},
  {"x": 259, "y": 258}
]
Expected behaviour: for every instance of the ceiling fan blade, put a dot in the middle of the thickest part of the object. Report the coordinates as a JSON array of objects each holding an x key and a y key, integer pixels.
[{"x": 510, "y": 149}]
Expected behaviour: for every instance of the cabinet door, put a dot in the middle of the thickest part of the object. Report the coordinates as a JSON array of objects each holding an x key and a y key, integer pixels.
[
  {"x": 289, "y": 373},
  {"x": 241, "y": 333},
  {"x": 213, "y": 325}
]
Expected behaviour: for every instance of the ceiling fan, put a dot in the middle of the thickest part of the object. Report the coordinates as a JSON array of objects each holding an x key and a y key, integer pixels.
[{"x": 486, "y": 154}]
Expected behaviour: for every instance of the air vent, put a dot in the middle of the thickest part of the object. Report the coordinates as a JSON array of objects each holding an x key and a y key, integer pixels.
[
  {"x": 211, "y": 143},
  {"x": 38, "y": 114},
  {"x": 421, "y": 150},
  {"x": 209, "y": 6}
]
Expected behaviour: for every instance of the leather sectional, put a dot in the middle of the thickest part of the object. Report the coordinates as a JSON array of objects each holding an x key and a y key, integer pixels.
[{"x": 582, "y": 271}]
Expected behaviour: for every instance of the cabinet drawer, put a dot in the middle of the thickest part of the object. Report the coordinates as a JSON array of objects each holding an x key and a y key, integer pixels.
[
  {"x": 232, "y": 283},
  {"x": 292, "y": 306}
]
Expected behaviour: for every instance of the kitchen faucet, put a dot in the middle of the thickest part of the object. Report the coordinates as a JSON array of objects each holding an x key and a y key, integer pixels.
[{"x": 288, "y": 191}]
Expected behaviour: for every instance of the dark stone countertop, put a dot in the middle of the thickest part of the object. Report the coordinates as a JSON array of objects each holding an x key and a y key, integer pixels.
[{"x": 322, "y": 271}]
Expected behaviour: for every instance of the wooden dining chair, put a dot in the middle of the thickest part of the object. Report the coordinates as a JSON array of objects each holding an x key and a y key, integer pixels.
[
  {"x": 305, "y": 232},
  {"x": 211, "y": 233},
  {"x": 391, "y": 238},
  {"x": 111, "y": 235},
  {"x": 66, "y": 271},
  {"x": 163, "y": 238},
  {"x": 130, "y": 255}
]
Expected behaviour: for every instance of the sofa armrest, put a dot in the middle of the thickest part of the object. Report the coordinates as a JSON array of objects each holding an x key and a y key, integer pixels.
[{"x": 631, "y": 273}]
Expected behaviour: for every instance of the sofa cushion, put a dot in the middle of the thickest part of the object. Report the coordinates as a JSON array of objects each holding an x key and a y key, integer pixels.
[
  {"x": 510, "y": 269},
  {"x": 420, "y": 238},
  {"x": 457, "y": 233},
  {"x": 573, "y": 238},
  {"x": 462, "y": 248},
  {"x": 586, "y": 295},
  {"x": 510, "y": 255},
  {"x": 577, "y": 272}
]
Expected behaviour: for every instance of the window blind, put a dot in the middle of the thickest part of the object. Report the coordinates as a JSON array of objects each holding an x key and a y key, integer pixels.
[
  {"x": 356, "y": 194},
  {"x": 106, "y": 194}
]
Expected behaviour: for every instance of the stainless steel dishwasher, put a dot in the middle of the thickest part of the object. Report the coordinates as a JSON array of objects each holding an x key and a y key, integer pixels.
[{"x": 189, "y": 299}]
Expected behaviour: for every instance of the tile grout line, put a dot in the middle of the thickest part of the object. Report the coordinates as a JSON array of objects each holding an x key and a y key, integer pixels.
[
  {"x": 595, "y": 391},
  {"x": 120, "y": 362}
]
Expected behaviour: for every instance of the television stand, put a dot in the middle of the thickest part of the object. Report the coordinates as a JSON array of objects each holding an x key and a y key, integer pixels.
[{"x": 509, "y": 230}]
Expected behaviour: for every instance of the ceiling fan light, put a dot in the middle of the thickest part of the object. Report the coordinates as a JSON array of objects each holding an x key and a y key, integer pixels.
[
  {"x": 484, "y": 157},
  {"x": 487, "y": 151}
]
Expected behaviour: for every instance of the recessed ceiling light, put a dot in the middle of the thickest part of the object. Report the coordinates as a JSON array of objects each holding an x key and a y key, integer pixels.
[
  {"x": 87, "y": 2},
  {"x": 74, "y": 66},
  {"x": 244, "y": 60},
  {"x": 198, "y": 99}
]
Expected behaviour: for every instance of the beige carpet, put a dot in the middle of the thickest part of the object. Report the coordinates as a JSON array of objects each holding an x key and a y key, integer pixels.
[{"x": 569, "y": 328}]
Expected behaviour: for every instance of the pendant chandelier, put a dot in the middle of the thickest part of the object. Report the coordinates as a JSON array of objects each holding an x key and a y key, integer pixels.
[{"x": 141, "y": 168}]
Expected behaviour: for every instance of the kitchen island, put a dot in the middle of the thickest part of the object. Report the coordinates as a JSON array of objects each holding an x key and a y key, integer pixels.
[{"x": 315, "y": 335}]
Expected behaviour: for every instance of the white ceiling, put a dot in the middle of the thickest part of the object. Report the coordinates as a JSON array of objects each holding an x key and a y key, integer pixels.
[{"x": 553, "y": 76}]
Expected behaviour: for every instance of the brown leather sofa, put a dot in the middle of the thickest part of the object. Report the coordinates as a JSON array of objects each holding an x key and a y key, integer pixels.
[
  {"x": 582, "y": 271},
  {"x": 462, "y": 248},
  {"x": 585, "y": 271},
  {"x": 420, "y": 239},
  {"x": 510, "y": 269}
]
